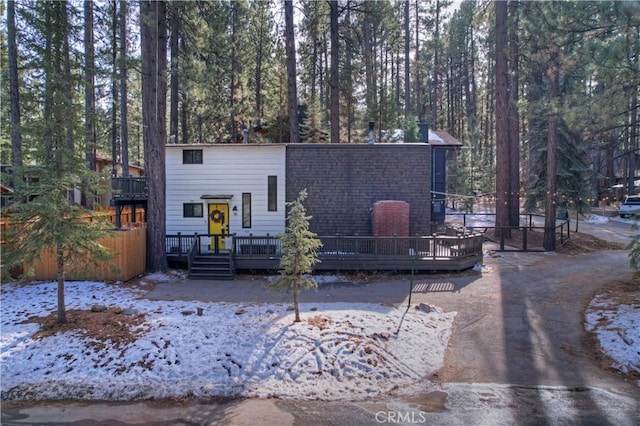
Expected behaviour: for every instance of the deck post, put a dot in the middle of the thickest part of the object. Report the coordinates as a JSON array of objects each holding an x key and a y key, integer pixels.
[
  {"x": 118, "y": 218},
  {"x": 433, "y": 240}
]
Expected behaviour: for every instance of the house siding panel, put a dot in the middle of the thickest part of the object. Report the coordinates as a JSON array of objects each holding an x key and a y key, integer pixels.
[
  {"x": 226, "y": 170},
  {"x": 344, "y": 181}
]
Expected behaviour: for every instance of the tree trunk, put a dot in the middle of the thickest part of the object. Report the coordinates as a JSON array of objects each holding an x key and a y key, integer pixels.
[
  {"x": 258, "y": 73},
  {"x": 369, "y": 63},
  {"x": 436, "y": 69},
  {"x": 633, "y": 140},
  {"x": 513, "y": 117},
  {"x": 115, "y": 147},
  {"x": 407, "y": 46},
  {"x": 349, "y": 76},
  {"x": 233, "y": 125},
  {"x": 549, "y": 241},
  {"x": 335, "y": 84},
  {"x": 153, "y": 34},
  {"x": 67, "y": 94},
  {"x": 89, "y": 96},
  {"x": 175, "y": 77},
  {"x": 124, "y": 127},
  {"x": 292, "y": 90},
  {"x": 503, "y": 165},
  {"x": 14, "y": 85},
  {"x": 66, "y": 78},
  {"x": 296, "y": 306},
  {"x": 418, "y": 87},
  {"x": 185, "y": 105}
]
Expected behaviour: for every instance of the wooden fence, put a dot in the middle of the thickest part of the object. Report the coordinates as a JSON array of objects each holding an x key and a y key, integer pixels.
[
  {"x": 109, "y": 213},
  {"x": 128, "y": 220},
  {"x": 127, "y": 245}
]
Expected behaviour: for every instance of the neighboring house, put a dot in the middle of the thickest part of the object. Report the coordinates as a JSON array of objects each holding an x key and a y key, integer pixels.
[
  {"x": 5, "y": 195},
  {"x": 105, "y": 166}
]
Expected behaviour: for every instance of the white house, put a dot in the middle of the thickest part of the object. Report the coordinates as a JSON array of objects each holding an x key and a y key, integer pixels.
[{"x": 225, "y": 189}]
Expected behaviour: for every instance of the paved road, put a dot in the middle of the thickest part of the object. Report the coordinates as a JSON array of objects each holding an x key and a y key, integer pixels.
[
  {"x": 519, "y": 355},
  {"x": 617, "y": 230}
]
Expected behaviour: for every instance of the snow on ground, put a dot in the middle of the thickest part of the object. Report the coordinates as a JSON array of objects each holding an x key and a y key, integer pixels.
[
  {"x": 617, "y": 327},
  {"x": 597, "y": 220},
  {"x": 339, "y": 351}
]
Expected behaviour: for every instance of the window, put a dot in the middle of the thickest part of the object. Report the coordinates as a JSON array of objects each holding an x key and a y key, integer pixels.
[
  {"x": 632, "y": 200},
  {"x": 192, "y": 156},
  {"x": 272, "y": 194},
  {"x": 246, "y": 210},
  {"x": 192, "y": 210}
]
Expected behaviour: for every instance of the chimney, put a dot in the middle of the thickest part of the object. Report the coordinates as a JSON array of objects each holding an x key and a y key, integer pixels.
[{"x": 424, "y": 132}]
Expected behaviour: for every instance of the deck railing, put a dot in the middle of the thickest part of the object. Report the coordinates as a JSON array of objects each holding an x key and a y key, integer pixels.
[
  {"x": 435, "y": 252},
  {"x": 530, "y": 224},
  {"x": 129, "y": 187},
  {"x": 193, "y": 251},
  {"x": 436, "y": 246},
  {"x": 179, "y": 245}
]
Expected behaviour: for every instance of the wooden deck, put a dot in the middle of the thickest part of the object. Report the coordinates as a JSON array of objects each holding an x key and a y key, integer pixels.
[
  {"x": 130, "y": 188},
  {"x": 428, "y": 253}
]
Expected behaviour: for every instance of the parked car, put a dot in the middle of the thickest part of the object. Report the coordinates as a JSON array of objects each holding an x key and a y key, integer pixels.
[{"x": 630, "y": 206}]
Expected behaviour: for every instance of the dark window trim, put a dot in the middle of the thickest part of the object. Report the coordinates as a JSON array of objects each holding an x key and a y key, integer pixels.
[
  {"x": 272, "y": 193},
  {"x": 246, "y": 210},
  {"x": 190, "y": 208}
]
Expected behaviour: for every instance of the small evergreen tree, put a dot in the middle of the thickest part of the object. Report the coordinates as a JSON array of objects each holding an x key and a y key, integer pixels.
[
  {"x": 44, "y": 219},
  {"x": 313, "y": 130},
  {"x": 299, "y": 246},
  {"x": 411, "y": 130}
]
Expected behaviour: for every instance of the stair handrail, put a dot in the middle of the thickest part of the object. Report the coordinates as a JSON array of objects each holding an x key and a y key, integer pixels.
[{"x": 193, "y": 251}]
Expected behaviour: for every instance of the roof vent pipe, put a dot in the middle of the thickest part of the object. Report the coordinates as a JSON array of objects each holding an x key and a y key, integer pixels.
[{"x": 372, "y": 125}]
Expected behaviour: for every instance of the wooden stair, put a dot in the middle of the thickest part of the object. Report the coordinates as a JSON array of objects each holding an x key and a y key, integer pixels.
[{"x": 212, "y": 266}]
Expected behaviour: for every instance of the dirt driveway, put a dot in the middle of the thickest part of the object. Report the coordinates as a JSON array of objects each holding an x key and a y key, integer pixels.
[{"x": 523, "y": 324}]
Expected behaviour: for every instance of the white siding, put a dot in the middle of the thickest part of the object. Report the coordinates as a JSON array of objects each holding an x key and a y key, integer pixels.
[{"x": 226, "y": 170}]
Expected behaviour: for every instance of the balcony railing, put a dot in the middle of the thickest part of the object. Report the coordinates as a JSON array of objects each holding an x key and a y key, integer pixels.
[{"x": 130, "y": 188}]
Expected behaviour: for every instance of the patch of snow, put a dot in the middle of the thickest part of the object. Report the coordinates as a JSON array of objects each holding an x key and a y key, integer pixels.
[
  {"x": 617, "y": 327},
  {"x": 340, "y": 351},
  {"x": 597, "y": 219},
  {"x": 320, "y": 279},
  {"x": 479, "y": 267}
]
